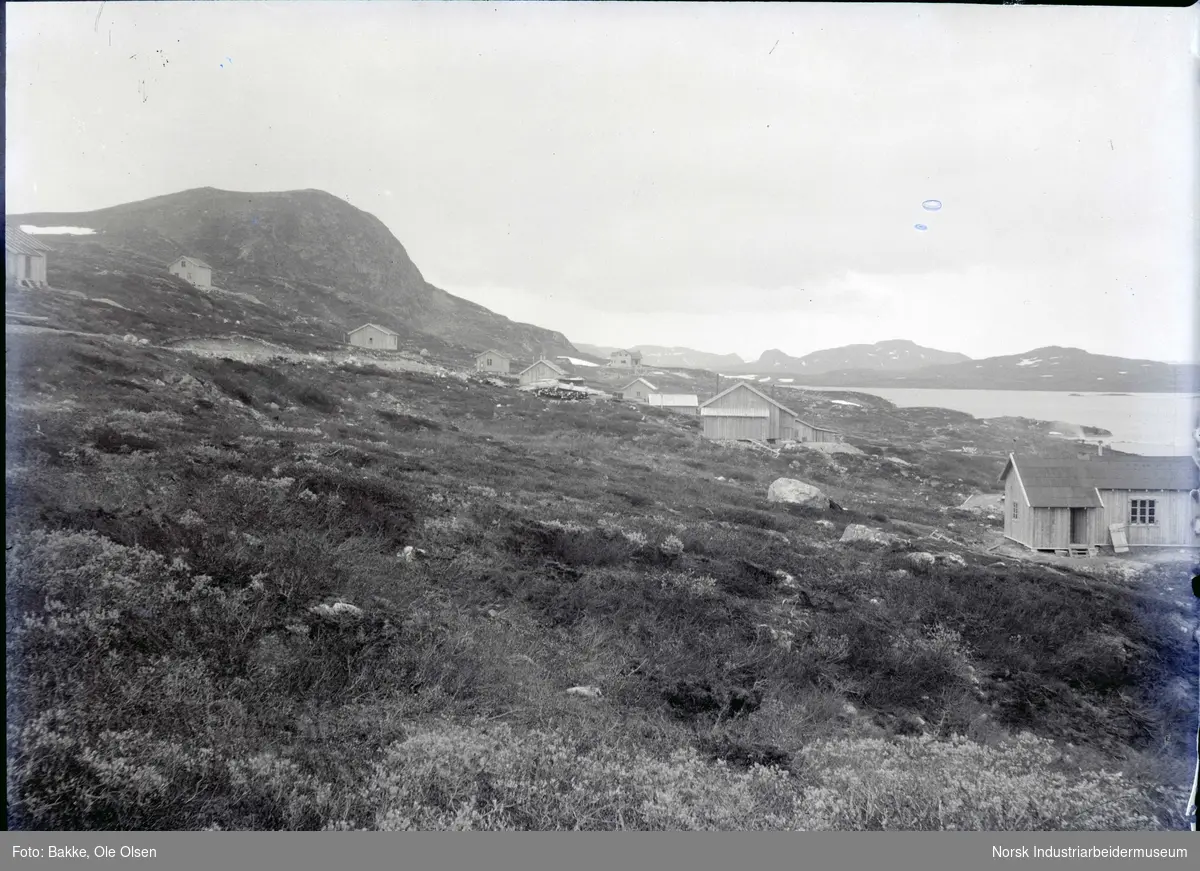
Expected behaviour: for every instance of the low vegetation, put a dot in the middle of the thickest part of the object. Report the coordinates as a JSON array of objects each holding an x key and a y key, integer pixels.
[{"x": 249, "y": 596}]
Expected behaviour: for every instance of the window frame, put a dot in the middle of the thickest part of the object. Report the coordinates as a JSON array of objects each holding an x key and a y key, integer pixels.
[{"x": 1143, "y": 512}]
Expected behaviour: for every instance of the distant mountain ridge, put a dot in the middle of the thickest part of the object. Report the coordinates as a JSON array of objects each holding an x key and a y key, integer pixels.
[
  {"x": 895, "y": 355},
  {"x": 327, "y": 256},
  {"x": 1049, "y": 368}
]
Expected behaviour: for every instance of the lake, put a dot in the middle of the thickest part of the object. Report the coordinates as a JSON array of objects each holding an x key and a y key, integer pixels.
[{"x": 1140, "y": 423}]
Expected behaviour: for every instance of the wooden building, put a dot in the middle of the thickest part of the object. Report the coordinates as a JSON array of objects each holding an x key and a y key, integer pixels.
[
  {"x": 742, "y": 412},
  {"x": 684, "y": 403},
  {"x": 625, "y": 359},
  {"x": 493, "y": 361},
  {"x": 1073, "y": 505},
  {"x": 373, "y": 336},
  {"x": 195, "y": 272},
  {"x": 542, "y": 372},
  {"x": 24, "y": 259},
  {"x": 637, "y": 390}
]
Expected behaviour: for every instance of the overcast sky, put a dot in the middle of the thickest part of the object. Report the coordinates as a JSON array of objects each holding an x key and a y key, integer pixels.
[{"x": 730, "y": 178}]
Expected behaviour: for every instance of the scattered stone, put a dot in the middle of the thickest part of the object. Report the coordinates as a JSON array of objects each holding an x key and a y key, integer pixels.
[
  {"x": 793, "y": 492},
  {"x": 848, "y": 710},
  {"x": 858, "y": 532},
  {"x": 587, "y": 692},
  {"x": 828, "y": 524}
]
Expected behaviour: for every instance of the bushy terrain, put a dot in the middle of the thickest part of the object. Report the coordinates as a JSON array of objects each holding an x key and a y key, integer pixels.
[{"x": 289, "y": 596}]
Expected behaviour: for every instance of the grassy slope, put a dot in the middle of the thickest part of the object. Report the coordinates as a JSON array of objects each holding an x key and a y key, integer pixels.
[{"x": 172, "y": 522}]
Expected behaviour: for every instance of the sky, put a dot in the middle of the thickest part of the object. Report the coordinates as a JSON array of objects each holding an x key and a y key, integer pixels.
[{"x": 730, "y": 178}]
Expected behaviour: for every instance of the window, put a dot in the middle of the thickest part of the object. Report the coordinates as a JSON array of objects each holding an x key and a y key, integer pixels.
[
  {"x": 1015, "y": 513},
  {"x": 1141, "y": 512},
  {"x": 489, "y": 362}
]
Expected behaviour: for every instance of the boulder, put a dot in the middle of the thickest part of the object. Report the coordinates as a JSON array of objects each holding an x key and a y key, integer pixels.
[
  {"x": 793, "y": 492},
  {"x": 858, "y": 532},
  {"x": 952, "y": 559},
  {"x": 922, "y": 558},
  {"x": 587, "y": 692}
]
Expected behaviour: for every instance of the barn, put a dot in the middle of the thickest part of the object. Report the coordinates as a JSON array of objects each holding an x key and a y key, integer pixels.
[
  {"x": 373, "y": 336},
  {"x": 24, "y": 259},
  {"x": 637, "y": 390},
  {"x": 1078, "y": 505},
  {"x": 492, "y": 361},
  {"x": 542, "y": 372},
  {"x": 194, "y": 271},
  {"x": 742, "y": 412}
]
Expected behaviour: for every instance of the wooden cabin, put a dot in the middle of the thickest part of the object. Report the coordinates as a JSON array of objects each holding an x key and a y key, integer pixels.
[
  {"x": 637, "y": 390},
  {"x": 745, "y": 413},
  {"x": 684, "y": 403},
  {"x": 1073, "y": 505},
  {"x": 194, "y": 271},
  {"x": 24, "y": 259},
  {"x": 625, "y": 359},
  {"x": 542, "y": 372},
  {"x": 373, "y": 336},
  {"x": 492, "y": 361}
]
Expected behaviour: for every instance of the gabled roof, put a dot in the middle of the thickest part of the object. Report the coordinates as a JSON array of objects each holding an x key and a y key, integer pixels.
[
  {"x": 494, "y": 353},
  {"x": 559, "y": 370},
  {"x": 195, "y": 260},
  {"x": 1074, "y": 483},
  {"x": 630, "y": 353},
  {"x": 742, "y": 385},
  {"x": 376, "y": 326},
  {"x": 635, "y": 381},
  {"x": 689, "y": 400},
  {"x": 19, "y": 242}
]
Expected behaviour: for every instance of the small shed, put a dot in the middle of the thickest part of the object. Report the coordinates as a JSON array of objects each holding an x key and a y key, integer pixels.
[
  {"x": 493, "y": 361},
  {"x": 745, "y": 413},
  {"x": 373, "y": 336},
  {"x": 194, "y": 271},
  {"x": 625, "y": 359},
  {"x": 637, "y": 390},
  {"x": 1074, "y": 504},
  {"x": 24, "y": 259},
  {"x": 684, "y": 403},
  {"x": 542, "y": 372}
]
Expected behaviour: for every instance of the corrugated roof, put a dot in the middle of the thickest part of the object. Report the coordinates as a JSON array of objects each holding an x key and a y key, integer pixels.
[
  {"x": 19, "y": 242},
  {"x": 677, "y": 399},
  {"x": 197, "y": 261},
  {"x": 1055, "y": 483},
  {"x": 733, "y": 412}
]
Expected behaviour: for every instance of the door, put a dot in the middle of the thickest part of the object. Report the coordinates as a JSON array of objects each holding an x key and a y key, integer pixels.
[{"x": 1078, "y": 526}]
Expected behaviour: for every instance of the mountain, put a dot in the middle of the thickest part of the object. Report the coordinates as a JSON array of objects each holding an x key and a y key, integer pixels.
[
  {"x": 306, "y": 252},
  {"x": 1048, "y": 368},
  {"x": 672, "y": 357},
  {"x": 897, "y": 355}
]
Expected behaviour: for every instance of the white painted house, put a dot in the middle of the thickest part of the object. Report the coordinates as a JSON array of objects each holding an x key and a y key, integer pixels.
[
  {"x": 194, "y": 271},
  {"x": 373, "y": 336}
]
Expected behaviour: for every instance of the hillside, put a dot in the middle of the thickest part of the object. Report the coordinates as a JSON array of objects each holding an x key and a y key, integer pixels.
[
  {"x": 301, "y": 595},
  {"x": 898, "y": 355},
  {"x": 318, "y": 263},
  {"x": 1049, "y": 368}
]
